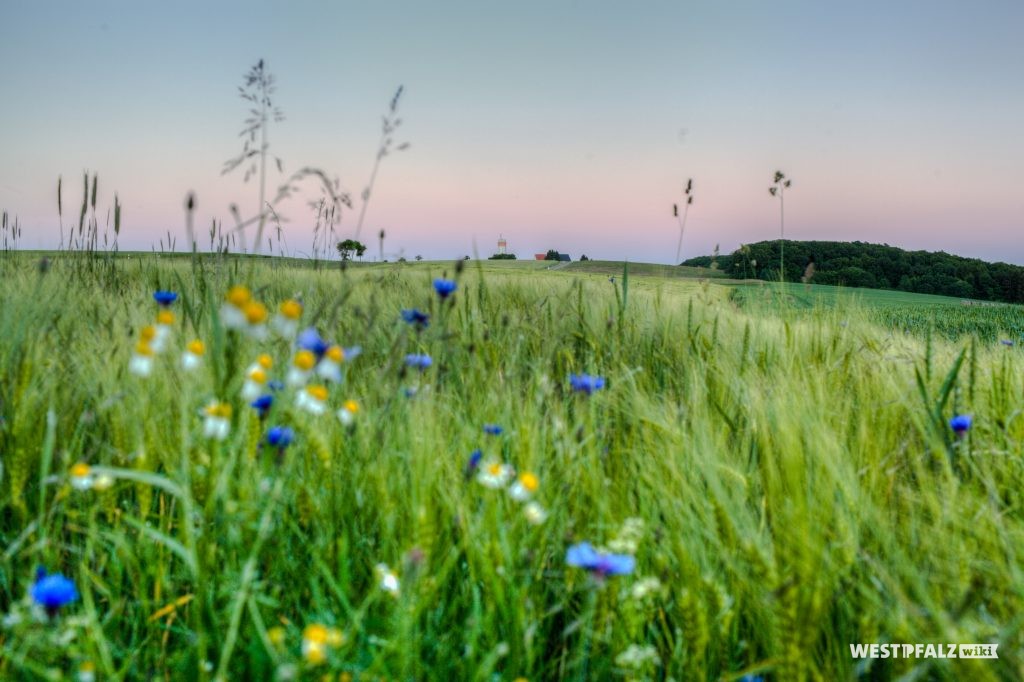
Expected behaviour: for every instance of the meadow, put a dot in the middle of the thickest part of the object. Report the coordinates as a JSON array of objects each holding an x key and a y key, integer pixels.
[{"x": 761, "y": 483}]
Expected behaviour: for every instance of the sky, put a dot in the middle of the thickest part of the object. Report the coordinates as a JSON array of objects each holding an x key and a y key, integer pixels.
[{"x": 559, "y": 125}]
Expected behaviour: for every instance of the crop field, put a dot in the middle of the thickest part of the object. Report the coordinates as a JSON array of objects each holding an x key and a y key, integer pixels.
[{"x": 221, "y": 468}]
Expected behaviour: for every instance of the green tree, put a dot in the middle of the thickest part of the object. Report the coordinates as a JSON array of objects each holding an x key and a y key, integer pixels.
[{"x": 351, "y": 247}]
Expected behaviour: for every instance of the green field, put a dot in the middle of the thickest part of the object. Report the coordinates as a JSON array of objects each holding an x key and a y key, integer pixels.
[{"x": 780, "y": 468}]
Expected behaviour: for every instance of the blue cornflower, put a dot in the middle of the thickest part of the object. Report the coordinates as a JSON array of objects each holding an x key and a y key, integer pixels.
[
  {"x": 165, "y": 298},
  {"x": 493, "y": 429},
  {"x": 53, "y": 591},
  {"x": 415, "y": 317},
  {"x": 585, "y": 383},
  {"x": 275, "y": 385},
  {"x": 473, "y": 463},
  {"x": 280, "y": 437},
  {"x": 1006, "y": 342},
  {"x": 444, "y": 287},
  {"x": 752, "y": 678},
  {"x": 960, "y": 423},
  {"x": 310, "y": 339},
  {"x": 583, "y": 555},
  {"x": 262, "y": 405},
  {"x": 420, "y": 362}
]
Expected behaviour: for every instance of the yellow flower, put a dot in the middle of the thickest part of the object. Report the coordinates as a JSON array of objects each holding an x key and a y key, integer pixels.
[
  {"x": 317, "y": 639},
  {"x": 291, "y": 309},
  {"x": 165, "y": 317},
  {"x": 276, "y": 635},
  {"x": 304, "y": 360},
  {"x": 81, "y": 476},
  {"x": 143, "y": 348},
  {"x": 197, "y": 347},
  {"x": 265, "y": 361},
  {"x": 255, "y": 313},
  {"x": 239, "y": 296},
  {"x": 335, "y": 354},
  {"x": 524, "y": 487}
]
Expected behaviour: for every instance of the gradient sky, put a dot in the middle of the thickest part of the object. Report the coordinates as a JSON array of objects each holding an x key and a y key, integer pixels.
[{"x": 566, "y": 125}]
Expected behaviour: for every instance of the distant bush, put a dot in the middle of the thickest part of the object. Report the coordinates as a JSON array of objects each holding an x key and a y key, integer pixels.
[{"x": 503, "y": 256}]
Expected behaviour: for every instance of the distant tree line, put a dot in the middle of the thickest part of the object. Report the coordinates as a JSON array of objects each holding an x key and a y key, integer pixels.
[{"x": 875, "y": 266}]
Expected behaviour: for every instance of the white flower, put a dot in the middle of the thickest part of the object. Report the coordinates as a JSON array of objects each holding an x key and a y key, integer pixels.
[
  {"x": 217, "y": 424},
  {"x": 255, "y": 380},
  {"x": 387, "y": 579},
  {"x": 286, "y": 321},
  {"x": 141, "y": 363},
  {"x": 192, "y": 358},
  {"x": 644, "y": 587},
  {"x": 535, "y": 513},
  {"x": 495, "y": 475},
  {"x": 637, "y": 656},
  {"x": 329, "y": 367},
  {"x": 312, "y": 399},
  {"x": 347, "y": 413},
  {"x": 301, "y": 369},
  {"x": 523, "y": 488}
]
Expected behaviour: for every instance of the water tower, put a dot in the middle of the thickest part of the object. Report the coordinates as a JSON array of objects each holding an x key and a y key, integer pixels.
[{"x": 502, "y": 245}]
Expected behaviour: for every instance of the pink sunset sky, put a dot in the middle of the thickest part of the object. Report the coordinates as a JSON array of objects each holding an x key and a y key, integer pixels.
[{"x": 565, "y": 125}]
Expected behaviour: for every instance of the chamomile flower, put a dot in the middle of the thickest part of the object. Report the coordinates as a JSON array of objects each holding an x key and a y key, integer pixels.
[
  {"x": 163, "y": 327},
  {"x": 255, "y": 382},
  {"x": 317, "y": 640},
  {"x": 495, "y": 475},
  {"x": 535, "y": 514},
  {"x": 232, "y": 312},
  {"x": 387, "y": 579},
  {"x": 141, "y": 363},
  {"x": 312, "y": 399},
  {"x": 192, "y": 358},
  {"x": 255, "y": 320},
  {"x": 524, "y": 487},
  {"x": 87, "y": 672},
  {"x": 81, "y": 476},
  {"x": 347, "y": 413},
  {"x": 301, "y": 369},
  {"x": 286, "y": 321},
  {"x": 52, "y": 591},
  {"x": 217, "y": 423},
  {"x": 329, "y": 367}
]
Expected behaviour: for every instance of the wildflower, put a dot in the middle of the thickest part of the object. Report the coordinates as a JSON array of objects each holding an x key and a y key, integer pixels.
[
  {"x": 255, "y": 320},
  {"x": 329, "y": 367},
  {"x": 535, "y": 514},
  {"x": 81, "y": 476},
  {"x": 232, "y": 312},
  {"x": 262, "y": 405},
  {"x": 495, "y": 475},
  {"x": 523, "y": 488},
  {"x": 585, "y": 383},
  {"x": 165, "y": 298},
  {"x": 636, "y": 657},
  {"x": 628, "y": 537},
  {"x": 473, "y": 463},
  {"x": 162, "y": 330},
  {"x": 312, "y": 399},
  {"x": 1006, "y": 342},
  {"x": 317, "y": 640},
  {"x": 52, "y": 591},
  {"x": 280, "y": 437},
  {"x": 192, "y": 358},
  {"x": 387, "y": 579},
  {"x": 87, "y": 672},
  {"x": 645, "y": 587},
  {"x": 347, "y": 413},
  {"x": 416, "y": 318},
  {"x": 583, "y": 555},
  {"x": 218, "y": 420},
  {"x": 960, "y": 424},
  {"x": 302, "y": 367},
  {"x": 444, "y": 287},
  {"x": 493, "y": 429},
  {"x": 141, "y": 363},
  {"x": 255, "y": 381},
  {"x": 419, "y": 361},
  {"x": 286, "y": 322},
  {"x": 311, "y": 340}
]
